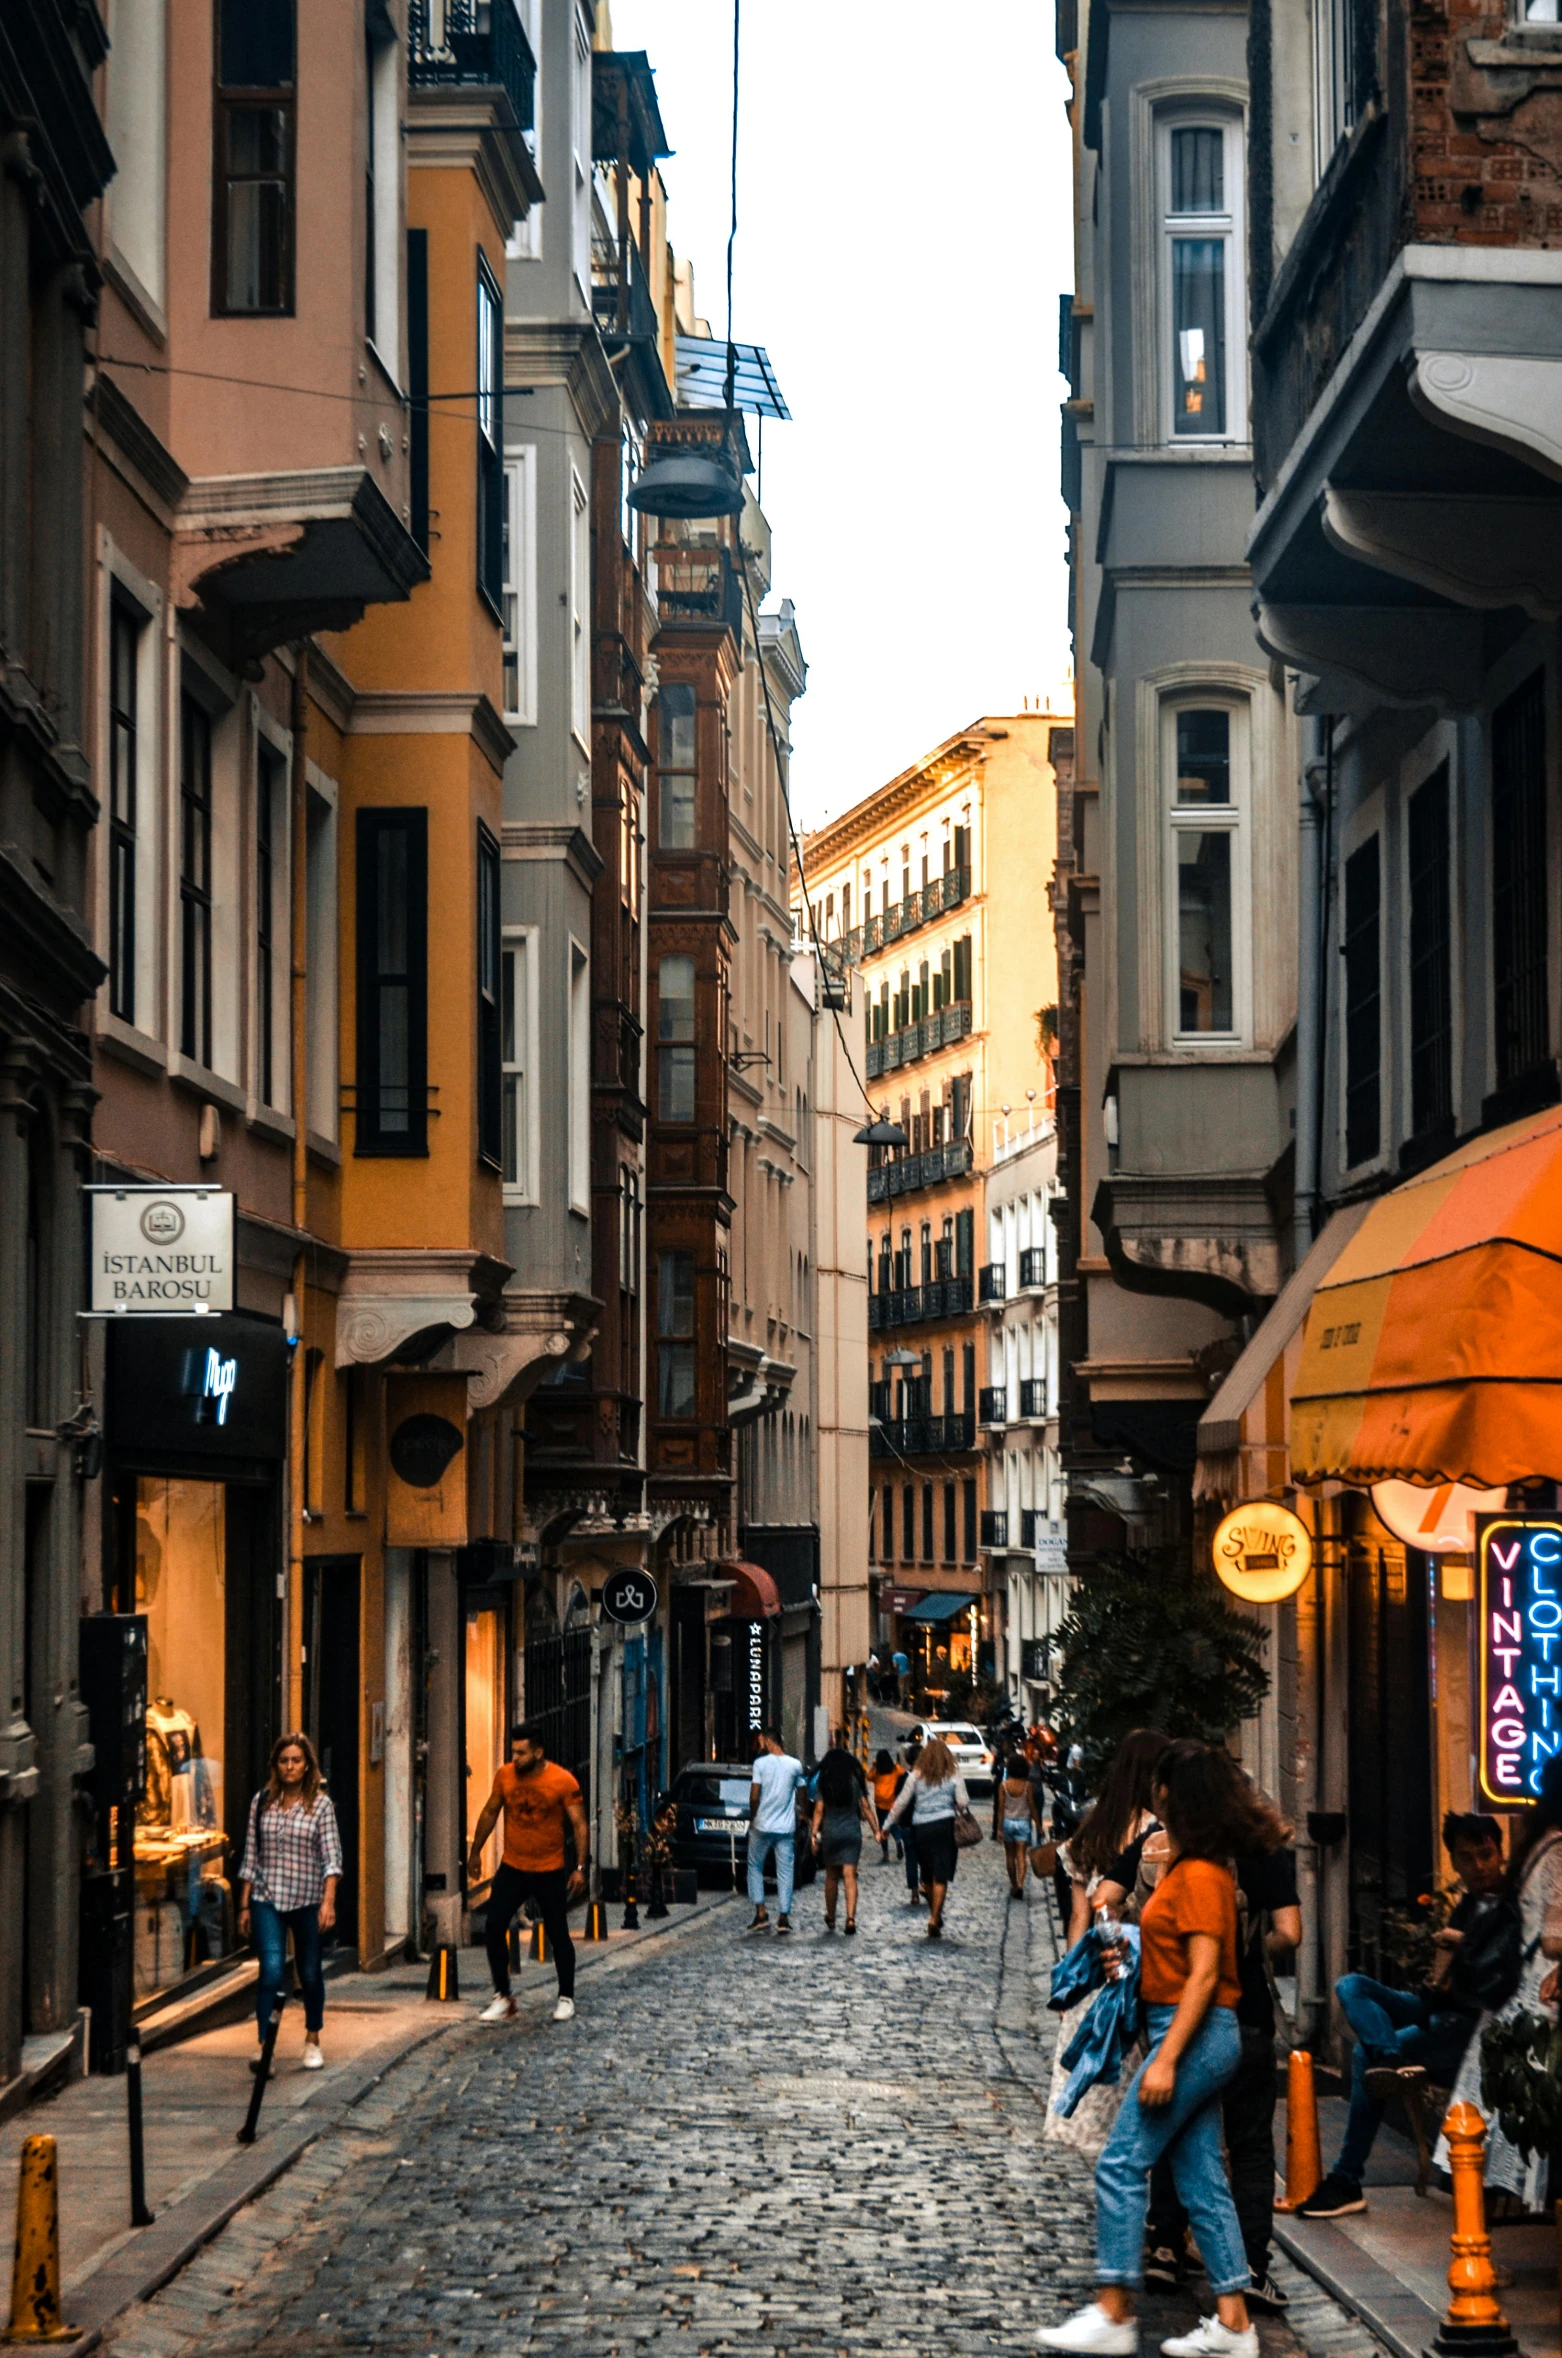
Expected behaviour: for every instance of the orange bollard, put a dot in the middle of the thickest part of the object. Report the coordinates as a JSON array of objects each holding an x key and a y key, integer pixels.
[
  {"x": 1474, "y": 2321},
  {"x": 35, "y": 2273},
  {"x": 539, "y": 1952},
  {"x": 596, "y": 1922},
  {"x": 1303, "y": 2154}
]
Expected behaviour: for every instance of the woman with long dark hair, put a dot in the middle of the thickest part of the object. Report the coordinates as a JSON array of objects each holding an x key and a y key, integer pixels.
[
  {"x": 930, "y": 1797},
  {"x": 287, "y": 1883},
  {"x": 1188, "y": 1978},
  {"x": 841, "y": 1809}
]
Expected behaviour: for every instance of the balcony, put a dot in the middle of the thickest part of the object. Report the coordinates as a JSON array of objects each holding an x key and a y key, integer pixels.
[
  {"x": 920, "y": 1436},
  {"x": 948, "y": 1297},
  {"x": 903, "y": 917},
  {"x": 911, "y": 1171},
  {"x": 994, "y": 1404},
  {"x": 995, "y": 1529},
  {"x": 1033, "y": 1267},
  {"x": 1033, "y": 1399},
  {"x": 473, "y": 43},
  {"x": 942, "y": 1029},
  {"x": 698, "y": 585},
  {"x": 994, "y": 1283},
  {"x": 621, "y": 306},
  {"x": 952, "y": 1432}
]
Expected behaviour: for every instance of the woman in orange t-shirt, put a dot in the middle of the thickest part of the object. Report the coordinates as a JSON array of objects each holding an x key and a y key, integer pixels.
[{"x": 1189, "y": 1985}]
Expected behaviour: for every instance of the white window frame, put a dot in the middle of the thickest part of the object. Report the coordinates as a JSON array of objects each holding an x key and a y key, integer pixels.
[
  {"x": 1229, "y": 228},
  {"x": 579, "y": 612},
  {"x": 384, "y": 332},
  {"x": 268, "y": 730},
  {"x": 520, "y": 943},
  {"x": 1207, "y": 818},
  {"x": 578, "y": 977},
  {"x": 580, "y": 164},
  {"x": 322, "y": 859},
  {"x": 136, "y": 200},
  {"x": 519, "y": 593},
  {"x": 524, "y": 243}
]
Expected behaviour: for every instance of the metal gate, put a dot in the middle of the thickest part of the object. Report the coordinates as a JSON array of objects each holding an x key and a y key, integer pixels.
[{"x": 558, "y": 1700}]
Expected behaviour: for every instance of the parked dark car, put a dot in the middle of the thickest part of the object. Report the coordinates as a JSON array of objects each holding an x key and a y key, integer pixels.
[{"x": 712, "y": 1803}]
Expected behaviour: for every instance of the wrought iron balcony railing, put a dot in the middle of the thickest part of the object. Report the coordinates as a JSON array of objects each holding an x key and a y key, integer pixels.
[{"x": 473, "y": 41}]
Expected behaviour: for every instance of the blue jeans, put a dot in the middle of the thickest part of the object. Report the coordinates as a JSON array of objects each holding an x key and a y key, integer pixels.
[
  {"x": 784, "y": 1849},
  {"x": 1392, "y": 2027},
  {"x": 271, "y": 1928},
  {"x": 1187, "y": 2132}
]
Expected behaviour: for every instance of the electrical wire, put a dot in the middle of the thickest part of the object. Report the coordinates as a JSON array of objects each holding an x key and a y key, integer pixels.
[{"x": 732, "y": 222}]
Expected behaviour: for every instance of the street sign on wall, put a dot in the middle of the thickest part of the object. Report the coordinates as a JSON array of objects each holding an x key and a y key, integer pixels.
[
  {"x": 629, "y": 1596},
  {"x": 1519, "y": 1646},
  {"x": 160, "y": 1252}
]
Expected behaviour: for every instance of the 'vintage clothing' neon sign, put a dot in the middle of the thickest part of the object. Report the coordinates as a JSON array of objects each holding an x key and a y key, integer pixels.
[{"x": 1520, "y": 1597}]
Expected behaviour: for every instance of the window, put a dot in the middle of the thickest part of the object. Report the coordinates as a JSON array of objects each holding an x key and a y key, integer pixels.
[
  {"x": 382, "y": 202},
  {"x": 580, "y": 615},
  {"x": 675, "y": 1394},
  {"x": 630, "y": 1216},
  {"x": 520, "y": 587},
  {"x": 417, "y": 384},
  {"x": 1431, "y": 976},
  {"x": 675, "y": 768},
  {"x": 889, "y": 1522},
  {"x": 125, "y": 629},
  {"x": 1344, "y": 66},
  {"x": 320, "y": 955},
  {"x": 675, "y": 1052},
  {"x": 927, "y": 1522},
  {"x": 516, "y": 1115},
  {"x": 253, "y": 158},
  {"x": 138, "y": 134},
  {"x": 908, "y": 1521},
  {"x": 968, "y": 1549},
  {"x": 490, "y": 1028},
  {"x": 1363, "y": 1003},
  {"x": 1518, "y": 844},
  {"x": 949, "y": 1522},
  {"x": 579, "y": 1079},
  {"x": 1204, "y": 824},
  {"x": 1202, "y": 273},
  {"x": 270, "y": 836},
  {"x": 392, "y": 1087},
  {"x": 490, "y": 438},
  {"x": 195, "y": 881}
]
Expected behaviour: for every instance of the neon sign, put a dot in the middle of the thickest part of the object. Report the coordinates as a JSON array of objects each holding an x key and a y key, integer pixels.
[{"x": 1520, "y": 1599}]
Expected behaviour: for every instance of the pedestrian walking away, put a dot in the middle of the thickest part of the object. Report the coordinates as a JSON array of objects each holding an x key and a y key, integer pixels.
[
  {"x": 928, "y": 1800},
  {"x": 888, "y": 1777},
  {"x": 540, "y": 1802},
  {"x": 288, "y": 1876},
  {"x": 842, "y": 1807},
  {"x": 1014, "y": 1808},
  {"x": 1188, "y": 1978},
  {"x": 772, "y": 1828},
  {"x": 1408, "y": 2039}
]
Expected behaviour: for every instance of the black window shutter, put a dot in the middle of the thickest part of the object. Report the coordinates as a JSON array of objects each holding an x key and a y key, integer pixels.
[
  {"x": 1363, "y": 1003},
  {"x": 490, "y": 1076},
  {"x": 392, "y": 892}
]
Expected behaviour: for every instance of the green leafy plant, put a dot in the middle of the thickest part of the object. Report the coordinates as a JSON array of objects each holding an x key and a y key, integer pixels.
[
  {"x": 1149, "y": 1642},
  {"x": 1521, "y": 2080}
]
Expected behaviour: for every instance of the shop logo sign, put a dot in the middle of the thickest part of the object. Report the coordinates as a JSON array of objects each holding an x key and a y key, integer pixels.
[
  {"x": 1519, "y": 1596},
  {"x": 162, "y": 1223},
  {"x": 222, "y": 1376},
  {"x": 756, "y": 1674},
  {"x": 161, "y": 1252}
]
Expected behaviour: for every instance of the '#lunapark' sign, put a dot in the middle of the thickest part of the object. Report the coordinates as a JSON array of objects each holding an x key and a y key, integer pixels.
[{"x": 1520, "y": 1604}]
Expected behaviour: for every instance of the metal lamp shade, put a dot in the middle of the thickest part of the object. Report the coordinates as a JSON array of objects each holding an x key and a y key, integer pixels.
[{"x": 687, "y": 482}]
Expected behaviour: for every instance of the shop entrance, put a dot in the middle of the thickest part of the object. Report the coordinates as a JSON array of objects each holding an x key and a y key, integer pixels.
[
  {"x": 331, "y": 1711},
  {"x": 1391, "y": 1774},
  {"x": 558, "y": 1697},
  {"x": 483, "y": 1708}
]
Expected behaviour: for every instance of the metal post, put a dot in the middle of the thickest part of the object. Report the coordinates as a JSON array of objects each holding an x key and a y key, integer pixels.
[
  {"x": 140, "y": 2216},
  {"x": 268, "y": 2050}
]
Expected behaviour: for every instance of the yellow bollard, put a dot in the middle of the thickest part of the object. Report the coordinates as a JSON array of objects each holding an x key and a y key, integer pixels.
[
  {"x": 539, "y": 1952},
  {"x": 1303, "y": 2153},
  {"x": 596, "y": 1922},
  {"x": 35, "y": 2275}
]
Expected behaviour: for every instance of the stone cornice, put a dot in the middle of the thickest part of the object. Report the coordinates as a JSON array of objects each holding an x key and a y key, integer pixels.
[
  {"x": 539, "y": 1330},
  {"x": 162, "y": 481},
  {"x": 471, "y": 127},
  {"x": 925, "y": 782},
  {"x": 432, "y": 712},
  {"x": 390, "y": 1296},
  {"x": 565, "y": 352},
  {"x": 523, "y": 839}
]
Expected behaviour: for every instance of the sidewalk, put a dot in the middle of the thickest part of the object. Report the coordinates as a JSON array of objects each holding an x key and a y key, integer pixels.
[
  {"x": 1389, "y": 2263},
  {"x": 195, "y": 2096}
]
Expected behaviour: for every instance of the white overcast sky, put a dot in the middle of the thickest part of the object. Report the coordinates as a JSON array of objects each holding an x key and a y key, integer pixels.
[{"x": 903, "y": 238}]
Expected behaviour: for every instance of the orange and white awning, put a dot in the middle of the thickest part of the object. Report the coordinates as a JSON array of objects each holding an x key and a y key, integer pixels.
[{"x": 1432, "y": 1351}]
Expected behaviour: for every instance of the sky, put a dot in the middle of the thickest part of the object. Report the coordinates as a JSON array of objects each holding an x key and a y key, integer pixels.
[{"x": 903, "y": 239}]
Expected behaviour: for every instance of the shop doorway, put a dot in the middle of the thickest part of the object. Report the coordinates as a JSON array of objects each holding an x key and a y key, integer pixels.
[
  {"x": 688, "y": 1685},
  {"x": 1391, "y": 1792},
  {"x": 331, "y": 1711},
  {"x": 558, "y": 1697},
  {"x": 483, "y": 1709}
]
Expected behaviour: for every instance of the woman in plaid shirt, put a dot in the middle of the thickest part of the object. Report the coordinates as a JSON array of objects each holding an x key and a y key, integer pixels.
[{"x": 292, "y": 1865}]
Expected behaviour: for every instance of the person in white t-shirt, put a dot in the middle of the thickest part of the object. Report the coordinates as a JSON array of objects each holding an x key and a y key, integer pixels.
[{"x": 772, "y": 1828}]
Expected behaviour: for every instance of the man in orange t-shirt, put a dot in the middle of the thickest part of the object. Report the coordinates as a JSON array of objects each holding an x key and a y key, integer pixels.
[{"x": 538, "y": 1800}]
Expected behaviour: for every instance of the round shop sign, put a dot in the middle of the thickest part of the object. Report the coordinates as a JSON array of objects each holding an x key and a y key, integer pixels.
[
  {"x": 1263, "y": 1552},
  {"x": 162, "y": 1223},
  {"x": 629, "y": 1596},
  {"x": 1440, "y": 1518}
]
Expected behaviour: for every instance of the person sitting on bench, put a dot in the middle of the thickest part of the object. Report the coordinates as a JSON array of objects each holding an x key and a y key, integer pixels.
[{"x": 1408, "y": 2038}]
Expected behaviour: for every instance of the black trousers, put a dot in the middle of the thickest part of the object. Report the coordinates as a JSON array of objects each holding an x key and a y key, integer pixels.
[
  {"x": 1248, "y": 2112},
  {"x": 512, "y": 1885}
]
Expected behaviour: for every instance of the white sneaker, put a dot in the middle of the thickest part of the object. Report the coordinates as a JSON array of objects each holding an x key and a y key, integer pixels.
[
  {"x": 313, "y": 2059},
  {"x": 1091, "y": 2329},
  {"x": 564, "y": 2011},
  {"x": 1211, "y": 2339},
  {"x": 499, "y": 2010}
]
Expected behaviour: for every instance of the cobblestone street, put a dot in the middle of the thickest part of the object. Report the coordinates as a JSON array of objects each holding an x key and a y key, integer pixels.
[{"x": 809, "y": 2147}]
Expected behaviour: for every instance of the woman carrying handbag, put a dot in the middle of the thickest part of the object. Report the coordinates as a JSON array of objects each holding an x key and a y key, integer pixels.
[{"x": 932, "y": 1797}]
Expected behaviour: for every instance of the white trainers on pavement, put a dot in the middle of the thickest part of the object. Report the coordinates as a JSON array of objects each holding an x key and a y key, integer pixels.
[
  {"x": 313, "y": 2059},
  {"x": 1090, "y": 2330},
  {"x": 1211, "y": 2339},
  {"x": 564, "y": 2011},
  {"x": 499, "y": 2010}
]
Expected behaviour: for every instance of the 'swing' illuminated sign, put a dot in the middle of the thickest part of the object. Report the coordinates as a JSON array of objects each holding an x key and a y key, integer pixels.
[{"x": 1520, "y": 1598}]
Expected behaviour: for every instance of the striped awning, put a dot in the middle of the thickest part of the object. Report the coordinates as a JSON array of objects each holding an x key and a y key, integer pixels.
[{"x": 1433, "y": 1349}]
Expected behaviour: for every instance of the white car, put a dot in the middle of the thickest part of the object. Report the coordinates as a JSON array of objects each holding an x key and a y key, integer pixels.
[{"x": 973, "y": 1754}]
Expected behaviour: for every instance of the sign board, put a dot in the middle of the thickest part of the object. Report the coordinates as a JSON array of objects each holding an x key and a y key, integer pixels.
[
  {"x": 751, "y": 1694},
  {"x": 181, "y": 1390},
  {"x": 160, "y": 1252},
  {"x": 1440, "y": 1519},
  {"x": 426, "y": 1478},
  {"x": 1519, "y": 1598},
  {"x": 1262, "y": 1552},
  {"x": 629, "y": 1595}
]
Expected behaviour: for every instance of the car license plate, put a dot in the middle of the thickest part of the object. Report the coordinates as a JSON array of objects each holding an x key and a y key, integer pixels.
[{"x": 721, "y": 1825}]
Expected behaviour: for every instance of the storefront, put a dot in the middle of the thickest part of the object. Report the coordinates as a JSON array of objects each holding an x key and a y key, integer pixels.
[
  {"x": 195, "y": 1429},
  {"x": 746, "y": 1663},
  {"x": 942, "y": 1633}
]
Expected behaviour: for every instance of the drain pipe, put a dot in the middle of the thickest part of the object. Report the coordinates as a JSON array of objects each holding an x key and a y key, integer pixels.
[{"x": 1314, "y": 813}]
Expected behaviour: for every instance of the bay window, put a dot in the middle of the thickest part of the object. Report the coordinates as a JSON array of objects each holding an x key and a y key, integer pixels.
[
  {"x": 1202, "y": 273},
  {"x": 1205, "y": 917}
]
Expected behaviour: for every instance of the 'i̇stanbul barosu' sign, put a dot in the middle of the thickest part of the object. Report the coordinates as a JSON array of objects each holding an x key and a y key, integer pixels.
[{"x": 1520, "y": 1654}]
